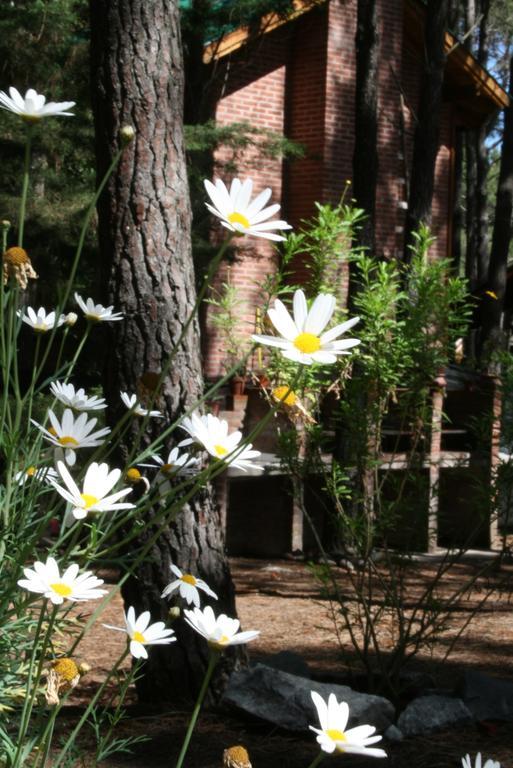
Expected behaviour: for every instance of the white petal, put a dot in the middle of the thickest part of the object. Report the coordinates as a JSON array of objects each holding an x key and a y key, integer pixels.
[{"x": 320, "y": 314}]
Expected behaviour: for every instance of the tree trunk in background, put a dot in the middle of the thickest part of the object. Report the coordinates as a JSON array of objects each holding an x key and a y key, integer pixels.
[
  {"x": 365, "y": 157},
  {"x": 144, "y": 228},
  {"x": 501, "y": 239},
  {"x": 477, "y": 256},
  {"x": 457, "y": 211},
  {"x": 427, "y": 130}
]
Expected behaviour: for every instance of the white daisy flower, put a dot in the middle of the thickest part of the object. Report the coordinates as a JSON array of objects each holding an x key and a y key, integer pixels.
[
  {"x": 98, "y": 482},
  {"x": 142, "y": 633},
  {"x": 240, "y": 215},
  {"x": 176, "y": 462},
  {"x": 220, "y": 631},
  {"x": 187, "y": 586},
  {"x": 212, "y": 434},
  {"x": 40, "y": 321},
  {"x": 134, "y": 405},
  {"x": 42, "y": 474},
  {"x": 97, "y": 313},
  {"x": 332, "y": 735},
  {"x": 70, "y": 434},
  {"x": 45, "y": 579},
  {"x": 467, "y": 762},
  {"x": 76, "y": 399},
  {"x": 33, "y": 106},
  {"x": 302, "y": 339}
]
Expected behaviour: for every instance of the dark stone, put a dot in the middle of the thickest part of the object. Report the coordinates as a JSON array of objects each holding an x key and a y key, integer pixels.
[
  {"x": 488, "y": 698},
  {"x": 284, "y": 699},
  {"x": 432, "y": 713}
]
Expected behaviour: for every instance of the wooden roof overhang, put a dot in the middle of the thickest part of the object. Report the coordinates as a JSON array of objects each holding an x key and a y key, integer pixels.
[
  {"x": 467, "y": 85},
  {"x": 476, "y": 94}
]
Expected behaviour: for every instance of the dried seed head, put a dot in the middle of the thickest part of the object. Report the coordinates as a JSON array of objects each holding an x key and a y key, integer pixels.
[
  {"x": 66, "y": 669},
  {"x": 236, "y": 757},
  {"x": 16, "y": 264}
]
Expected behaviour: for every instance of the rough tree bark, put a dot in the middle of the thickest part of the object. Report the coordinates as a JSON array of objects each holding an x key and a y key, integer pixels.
[
  {"x": 493, "y": 305},
  {"x": 144, "y": 229},
  {"x": 427, "y": 130},
  {"x": 365, "y": 156}
]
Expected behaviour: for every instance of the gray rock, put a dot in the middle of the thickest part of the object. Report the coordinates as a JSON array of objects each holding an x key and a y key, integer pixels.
[
  {"x": 285, "y": 700},
  {"x": 288, "y": 661},
  {"x": 431, "y": 713},
  {"x": 393, "y": 733},
  {"x": 488, "y": 698}
]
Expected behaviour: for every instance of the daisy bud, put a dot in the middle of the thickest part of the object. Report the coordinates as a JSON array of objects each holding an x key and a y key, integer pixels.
[
  {"x": 127, "y": 134},
  {"x": 70, "y": 319},
  {"x": 174, "y": 613},
  {"x": 5, "y": 224}
]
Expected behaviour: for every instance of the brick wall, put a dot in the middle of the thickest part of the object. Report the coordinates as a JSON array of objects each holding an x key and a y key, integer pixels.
[{"x": 301, "y": 82}]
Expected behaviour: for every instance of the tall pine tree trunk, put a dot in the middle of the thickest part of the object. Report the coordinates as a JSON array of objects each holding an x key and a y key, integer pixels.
[
  {"x": 493, "y": 301},
  {"x": 144, "y": 227},
  {"x": 365, "y": 156},
  {"x": 425, "y": 148}
]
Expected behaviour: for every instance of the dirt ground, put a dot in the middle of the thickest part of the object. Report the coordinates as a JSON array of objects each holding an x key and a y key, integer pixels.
[{"x": 282, "y": 599}]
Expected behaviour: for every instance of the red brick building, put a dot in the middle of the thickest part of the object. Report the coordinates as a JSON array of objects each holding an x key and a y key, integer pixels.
[{"x": 297, "y": 77}]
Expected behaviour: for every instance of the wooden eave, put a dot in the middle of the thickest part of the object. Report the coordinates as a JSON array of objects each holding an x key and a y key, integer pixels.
[
  {"x": 467, "y": 83},
  {"x": 232, "y": 41},
  {"x": 473, "y": 89}
]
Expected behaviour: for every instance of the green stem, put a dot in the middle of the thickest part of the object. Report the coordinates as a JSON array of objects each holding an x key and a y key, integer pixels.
[
  {"x": 71, "y": 738},
  {"x": 208, "y": 674},
  {"x": 25, "y": 186},
  {"x": 317, "y": 760}
]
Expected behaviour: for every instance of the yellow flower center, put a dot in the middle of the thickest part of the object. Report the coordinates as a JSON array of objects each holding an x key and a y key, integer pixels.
[
  {"x": 219, "y": 644},
  {"x": 92, "y": 318},
  {"x": 41, "y": 328},
  {"x": 62, "y": 589},
  {"x": 138, "y": 637},
  {"x": 52, "y": 431},
  {"x": 239, "y": 218},
  {"x": 188, "y": 579},
  {"x": 66, "y": 669},
  {"x": 67, "y": 440},
  {"x": 133, "y": 475},
  {"x": 307, "y": 343},
  {"x": 31, "y": 471},
  {"x": 220, "y": 450},
  {"x": 167, "y": 467},
  {"x": 336, "y": 735},
  {"x": 16, "y": 255},
  {"x": 280, "y": 392},
  {"x": 89, "y": 500}
]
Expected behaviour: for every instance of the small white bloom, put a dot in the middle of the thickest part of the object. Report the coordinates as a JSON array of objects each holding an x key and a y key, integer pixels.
[
  {"x": 98, "y": 482},
  {"x": 240, "y": 215},
  {"x": 467, "y": 762},
  {"x": 142, "y": 633},
  {"x": 212, "y": 434},
  {"x": 40, "y": 321},
  {"x": 45, "y": 579},
  {"x": 187, "y": 586},
  {"x": 97, "y": 313},
  {"x": 220, "y": 631},
  {"x": 176, "y": 462},
  {"x": 134, "y": 405},
  {"x": 76, "y": 399},
  {"x": 33, "y": 106},
  {"x": 302, "y": 339},
  {"x": 42, "y": 474},
  {"x": 70, "y": 434},
  {"x": 332, "y": 735}
]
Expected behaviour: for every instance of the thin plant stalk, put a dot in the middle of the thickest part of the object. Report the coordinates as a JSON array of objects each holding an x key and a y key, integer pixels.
[
  {"x": 317, "y": 760},
  {"x": 214, "y": 657}
]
